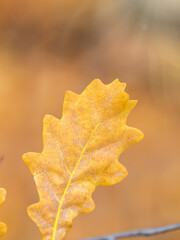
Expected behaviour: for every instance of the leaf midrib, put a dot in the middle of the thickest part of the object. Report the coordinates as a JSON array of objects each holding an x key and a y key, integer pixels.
[{"x": 69, "y": 182}]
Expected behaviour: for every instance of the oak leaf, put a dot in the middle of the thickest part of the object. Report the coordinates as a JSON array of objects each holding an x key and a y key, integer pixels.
[
  {"x": 80, "y": 152},
  {"x": 3, "y": 226}
]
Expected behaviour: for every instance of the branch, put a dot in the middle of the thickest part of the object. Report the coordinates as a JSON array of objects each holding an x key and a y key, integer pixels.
[{"x": 135, "y": 233}]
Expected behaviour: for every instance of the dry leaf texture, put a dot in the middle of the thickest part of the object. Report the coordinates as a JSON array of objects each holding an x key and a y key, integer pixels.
[
  {"x": 80, "y": 152},
  {"x": 3, "y": 227}
]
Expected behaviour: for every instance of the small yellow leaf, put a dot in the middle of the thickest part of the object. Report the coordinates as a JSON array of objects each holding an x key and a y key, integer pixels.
[
  {"x": 80, "y": 152},
  {"x": 3, "y": 227}
]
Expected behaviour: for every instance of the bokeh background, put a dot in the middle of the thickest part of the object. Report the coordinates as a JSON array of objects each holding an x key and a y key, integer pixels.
[{"x": 48, "y": 47}]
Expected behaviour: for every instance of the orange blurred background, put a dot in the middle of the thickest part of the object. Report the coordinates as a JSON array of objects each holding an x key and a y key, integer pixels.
[{"x": 48, "y": 47}]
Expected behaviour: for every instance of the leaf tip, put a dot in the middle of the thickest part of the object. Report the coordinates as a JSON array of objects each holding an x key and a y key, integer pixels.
[
  {"x": 117, "y": 83},
  {"x": 140, "y": 135},
  {"x": 95, "y": 83},
  {"x": 30, "y": 160},
  {"x": 69, "y": 99},
  {"x": 3, "y": 194},
  {"x": 133, "y": 136},
  {"x": 3, "y": 226},
  {"x": 47, "y": 118},
  {"x": 3, "y": 229}
]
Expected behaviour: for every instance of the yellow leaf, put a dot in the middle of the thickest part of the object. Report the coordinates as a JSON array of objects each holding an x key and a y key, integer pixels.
[
  {"x": 3, "y": 227},
  {"x": 80, "y": 152}
]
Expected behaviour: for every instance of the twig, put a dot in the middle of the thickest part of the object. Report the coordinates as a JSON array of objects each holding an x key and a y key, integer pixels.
[{"x": 142, "y": 232}]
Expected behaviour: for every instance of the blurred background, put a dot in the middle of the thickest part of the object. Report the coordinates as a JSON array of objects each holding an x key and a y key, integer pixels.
[{"x": 48, "y": 47}]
